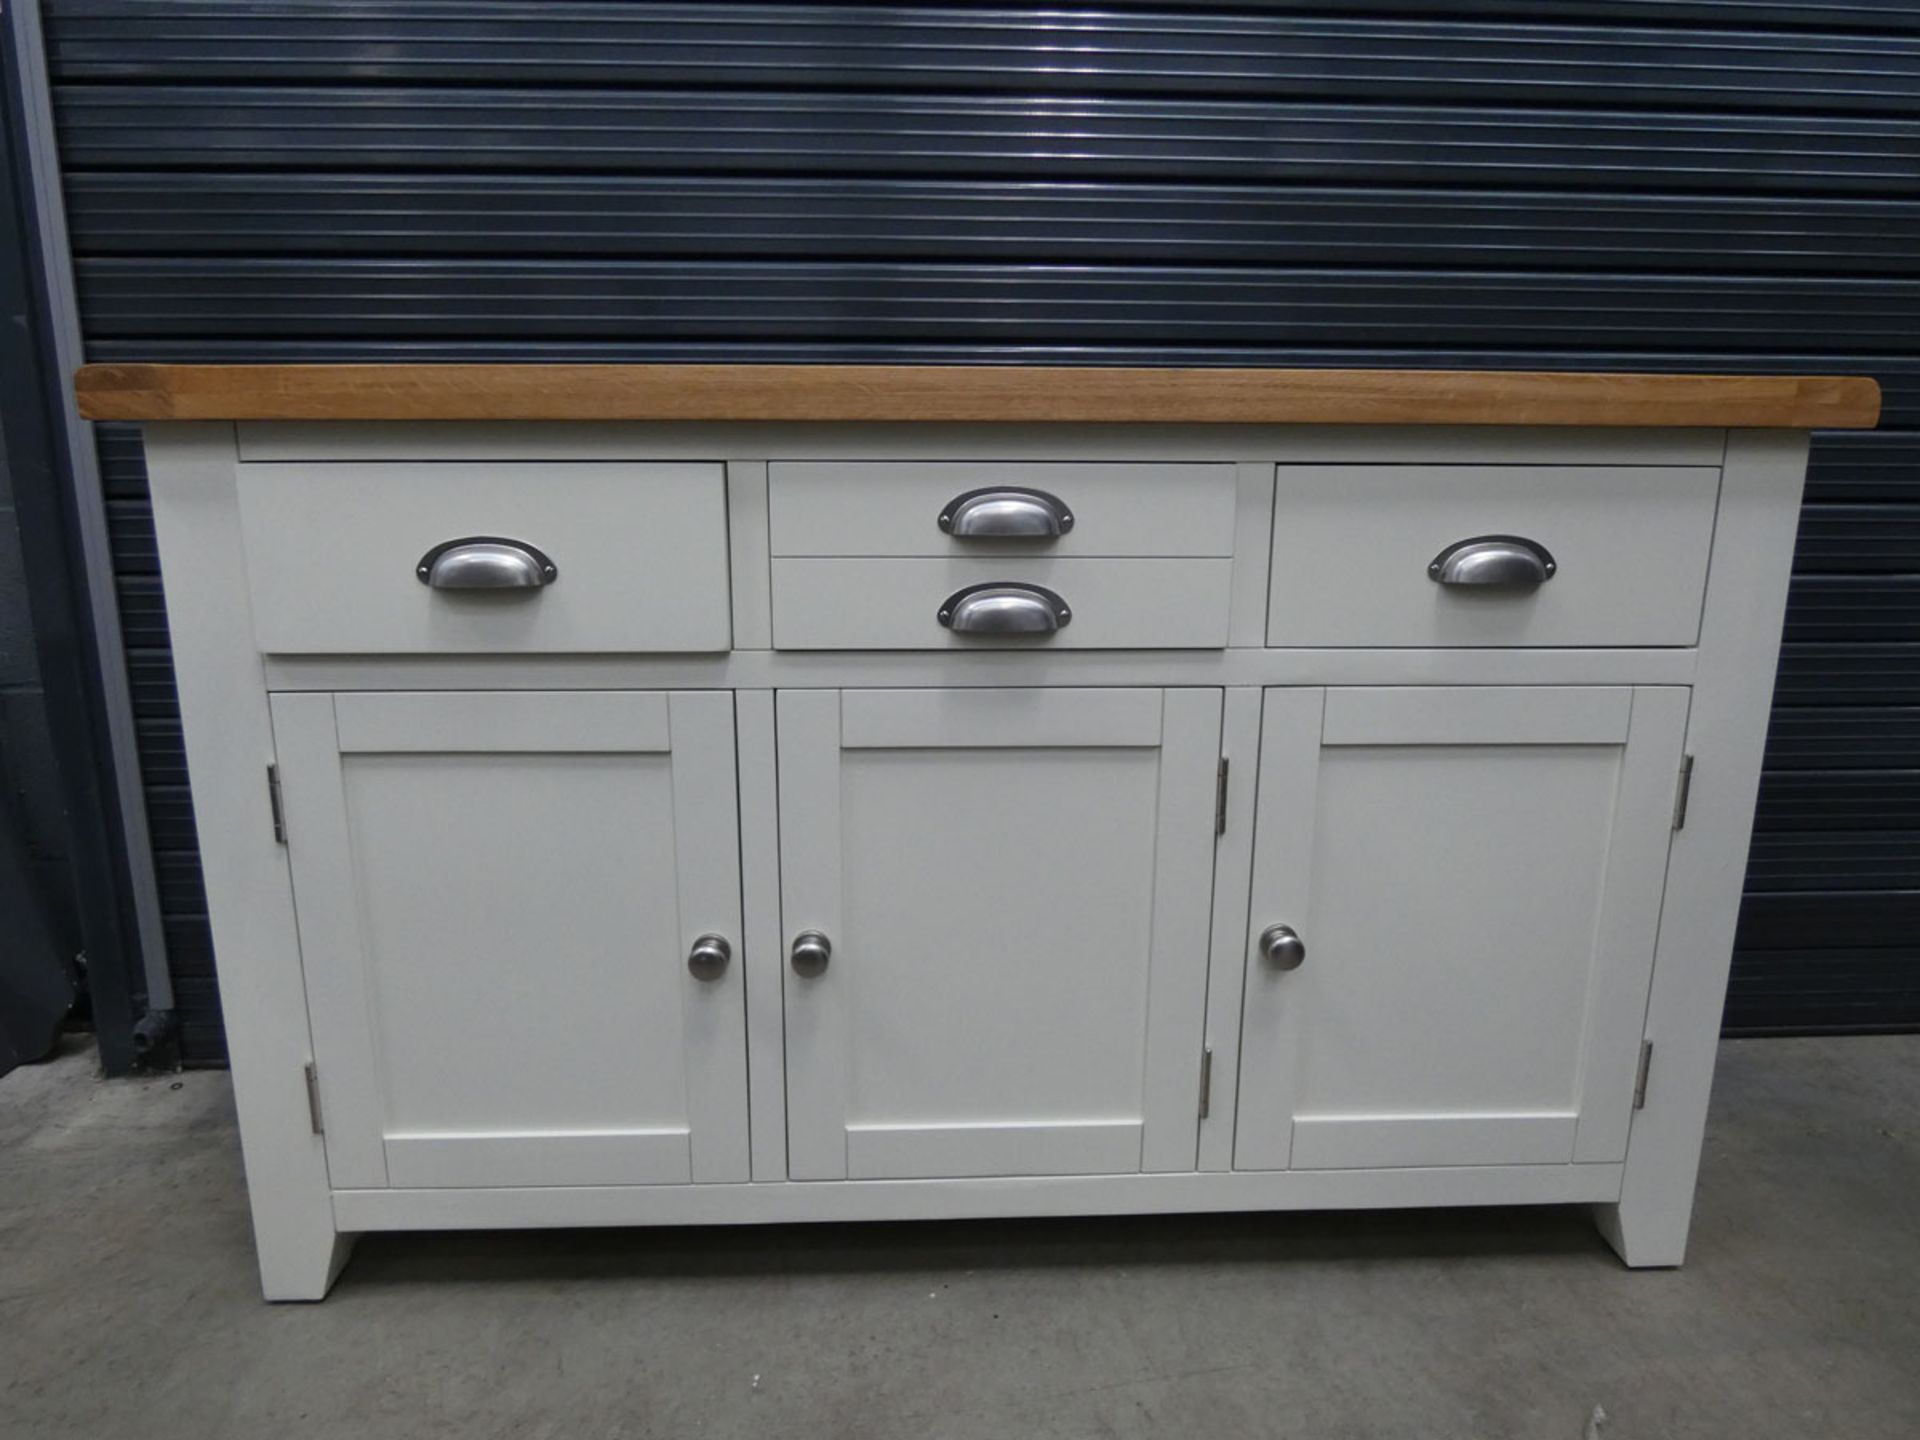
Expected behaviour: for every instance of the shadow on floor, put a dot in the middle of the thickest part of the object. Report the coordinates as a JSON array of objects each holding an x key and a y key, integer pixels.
[{"x": 542, "y": 1256}]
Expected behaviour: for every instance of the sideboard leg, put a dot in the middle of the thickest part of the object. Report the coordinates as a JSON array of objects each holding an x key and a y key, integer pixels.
[
  {"x": 1706, "y": 867},
  {"x": 1645, "y": 1235},
  {"x": 300, "y": 1264},
  {"x": 229, "y": 735}
]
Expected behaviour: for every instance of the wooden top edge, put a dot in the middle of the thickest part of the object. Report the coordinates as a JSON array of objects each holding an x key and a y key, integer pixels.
[{"x": 971, "y": 393}]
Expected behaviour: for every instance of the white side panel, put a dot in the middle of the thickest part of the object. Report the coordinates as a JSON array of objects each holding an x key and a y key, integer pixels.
[
  {"x": 230, "y": 743},
  {"x": 894, "y": 604},
  {"x": 1726, "y": 734},
  {"x": 641, "y": 552},
  {"x": 1352, "y": 544},
  {"x": 880, "y": 507}
]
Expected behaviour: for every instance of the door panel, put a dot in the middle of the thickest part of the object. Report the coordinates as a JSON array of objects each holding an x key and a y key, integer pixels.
[
  {"x": 497, "y": 893},
  {"x": 1016, "y": 886},
  {"x": 1476, "y": 874}
]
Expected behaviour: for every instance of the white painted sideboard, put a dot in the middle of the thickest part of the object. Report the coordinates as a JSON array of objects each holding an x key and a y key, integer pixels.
[{"x": 705, "y": 866}]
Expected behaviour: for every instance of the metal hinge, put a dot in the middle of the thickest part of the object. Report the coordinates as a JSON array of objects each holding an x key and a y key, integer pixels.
[
  {"x": 1220, "y": 798},
  {"x": 273, "y": 800},
  {"x": 1681, "y": 790},
  {"x": 313, "y": 1099},
  {"x": 1640, "y": 1075},
  {"x": 1206, "y": 1081}
]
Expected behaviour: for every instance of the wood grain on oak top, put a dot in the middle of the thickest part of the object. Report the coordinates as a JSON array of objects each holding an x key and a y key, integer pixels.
[{"x": 974, "y": 393}]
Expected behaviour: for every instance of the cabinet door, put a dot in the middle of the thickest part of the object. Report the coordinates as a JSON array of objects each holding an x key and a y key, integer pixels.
[
  {"x": 497, "y": 897},
  {"x": 1476, "y": 877},
  {"x": 1015, "y": 885}
]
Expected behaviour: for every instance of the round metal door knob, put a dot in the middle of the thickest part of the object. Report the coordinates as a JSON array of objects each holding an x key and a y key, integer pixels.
[
  {"x": 811, "y": 951},
  {"x": 1283, "y": 947},
  {"x": 708, "y": 958}
]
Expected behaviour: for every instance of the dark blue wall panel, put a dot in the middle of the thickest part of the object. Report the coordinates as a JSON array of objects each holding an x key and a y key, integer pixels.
[{"x": 1629, "y": 184}]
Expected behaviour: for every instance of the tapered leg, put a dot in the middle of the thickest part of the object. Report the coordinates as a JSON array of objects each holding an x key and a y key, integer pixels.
[
  {"x": 229, "y": 735},
  {"x": 1644, "y": 1237},
  {"x": 1726, "y": 735},
  {"x": 301, "y": 1265}
]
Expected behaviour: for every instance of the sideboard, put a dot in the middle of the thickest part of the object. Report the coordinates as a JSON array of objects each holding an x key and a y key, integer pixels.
[{"x": 673, "y": 795}]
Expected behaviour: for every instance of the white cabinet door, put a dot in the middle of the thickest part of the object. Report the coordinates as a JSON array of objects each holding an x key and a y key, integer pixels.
[
  {"x": 1015, "y": 885},
  {"x": 497, "y": 898},
  {"x": 1475, "y": 875}
]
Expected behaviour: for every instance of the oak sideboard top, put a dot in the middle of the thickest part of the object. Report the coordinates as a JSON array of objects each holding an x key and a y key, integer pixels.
[{"x": 971, "y": 393}]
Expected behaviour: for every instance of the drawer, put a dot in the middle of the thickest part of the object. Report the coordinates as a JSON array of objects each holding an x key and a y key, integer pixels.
[
  {"x": 335, "y": 551},
  {"x": 886, "y": 604},
  {"x": 1625, "y": 549},
  {"x": 942, "y": 508}
]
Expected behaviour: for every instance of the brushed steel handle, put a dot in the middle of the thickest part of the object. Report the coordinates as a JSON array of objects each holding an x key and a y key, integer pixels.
[
  {"x": 1510, "y": 562},
  {"x": 485, "y": 562},
  {"x": 708, "y": 958},
  {"x": 811, "y": 951},
  {"x": 1006, "y": 513},
  {"x": 1282, "y": 947},
  {"x": 1004, "y": 608}
]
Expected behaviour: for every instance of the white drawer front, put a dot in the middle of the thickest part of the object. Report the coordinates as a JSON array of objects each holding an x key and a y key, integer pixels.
[
  {"x": 1353, "y": 546},
  {"x": 639, "y": 550},
  {"x": 832, "y": 507},
  {"x": 880, "y": 604}
]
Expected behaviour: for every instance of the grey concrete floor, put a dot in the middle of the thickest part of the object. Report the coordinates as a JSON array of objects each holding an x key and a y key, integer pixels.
[{"x": 128, "y": 1307}]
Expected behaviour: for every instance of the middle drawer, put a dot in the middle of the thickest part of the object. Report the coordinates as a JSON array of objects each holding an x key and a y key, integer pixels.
[
  {"x": 917, "y": 555},
  {"x": 1000, "y": 507}
]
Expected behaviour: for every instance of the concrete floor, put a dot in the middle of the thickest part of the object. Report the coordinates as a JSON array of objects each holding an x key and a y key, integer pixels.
[{"x": 128, "y": 1307}]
